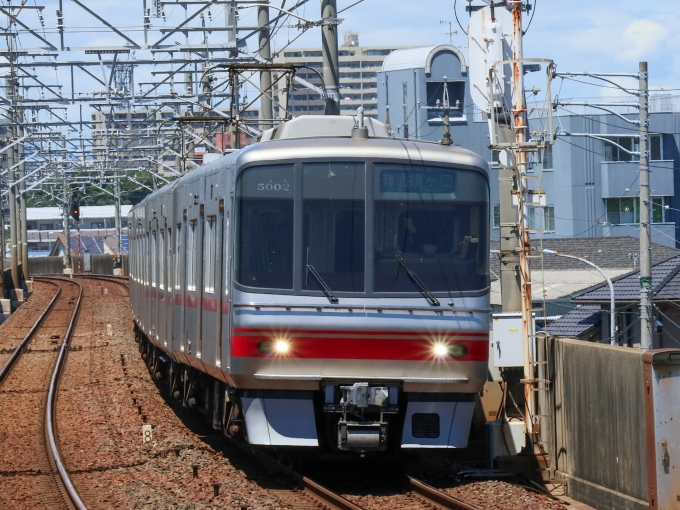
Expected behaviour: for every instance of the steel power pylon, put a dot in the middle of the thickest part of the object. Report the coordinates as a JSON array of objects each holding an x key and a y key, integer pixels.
[{"x": 76, "y": 111}]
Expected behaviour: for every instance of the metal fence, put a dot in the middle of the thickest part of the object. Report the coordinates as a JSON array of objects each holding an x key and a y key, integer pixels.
[{"x": 595, "y": 422}]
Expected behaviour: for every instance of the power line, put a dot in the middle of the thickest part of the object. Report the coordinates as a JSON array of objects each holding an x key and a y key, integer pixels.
[
  {"x": 455, "y": 12},
  {"x": 531, "y": 19}
]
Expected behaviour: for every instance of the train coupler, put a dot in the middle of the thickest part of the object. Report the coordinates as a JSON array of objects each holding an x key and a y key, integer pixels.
[{"x": 362, "y": 436}]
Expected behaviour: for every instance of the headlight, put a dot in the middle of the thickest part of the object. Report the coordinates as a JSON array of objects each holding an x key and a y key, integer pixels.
[
  {"x": 443, "y": 350},
  {"x": 281, "y": 347},
  {"x": 277, "y": 347},
  {"x": 440, "y": 350}
]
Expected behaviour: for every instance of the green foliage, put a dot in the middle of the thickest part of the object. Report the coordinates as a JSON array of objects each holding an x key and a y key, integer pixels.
[{"x": 131, "y": 192}]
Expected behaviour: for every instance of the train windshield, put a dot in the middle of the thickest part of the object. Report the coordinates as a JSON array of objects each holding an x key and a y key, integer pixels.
[
  {"x": 432, "y": 221},
  {"x": 265, "y": 234},
  {"x": 319, "y": 227}
]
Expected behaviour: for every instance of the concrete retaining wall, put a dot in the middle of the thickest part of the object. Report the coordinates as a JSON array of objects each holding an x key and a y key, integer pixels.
[
  {"x": 101, "y": 264},
  {"x": 595, "y": 432}
]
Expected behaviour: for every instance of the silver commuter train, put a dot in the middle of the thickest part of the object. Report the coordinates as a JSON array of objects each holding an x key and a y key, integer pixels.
[{"x": 326, "y": 287}]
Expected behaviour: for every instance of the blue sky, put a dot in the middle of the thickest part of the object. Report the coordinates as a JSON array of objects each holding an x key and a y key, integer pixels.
[{"x": 579, "y": 35}]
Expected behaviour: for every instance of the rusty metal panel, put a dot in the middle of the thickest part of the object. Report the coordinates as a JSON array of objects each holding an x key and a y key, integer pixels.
[{"x": 662, "y": 387}]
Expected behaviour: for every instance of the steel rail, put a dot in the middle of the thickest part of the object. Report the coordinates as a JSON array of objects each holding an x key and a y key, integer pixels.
[
  {"x": 438, "y": 498},
  {"x": 120, "y": 280},
  {"x": 312, "y": 489},
  {"x": 327, "y": 497},
  {"x": 50, "y": 413},
  {"x": 19, "y": 350}
]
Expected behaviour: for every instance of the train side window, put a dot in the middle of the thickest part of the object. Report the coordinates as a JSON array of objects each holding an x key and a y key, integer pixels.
[
  {"x": 161, "y": 260},
  {"x": 191, "y": 256},
  {"x": 178, "y": 256},
  {"x": 154, "y": 262},
  {"x": 209, "y": 255}
]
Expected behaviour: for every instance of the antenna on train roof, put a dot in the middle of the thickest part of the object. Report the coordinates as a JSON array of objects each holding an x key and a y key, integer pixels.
[{"x": 360, "y": 130}]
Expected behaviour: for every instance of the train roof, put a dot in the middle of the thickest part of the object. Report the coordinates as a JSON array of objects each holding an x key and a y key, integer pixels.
[{"x": 314, "y": 137}]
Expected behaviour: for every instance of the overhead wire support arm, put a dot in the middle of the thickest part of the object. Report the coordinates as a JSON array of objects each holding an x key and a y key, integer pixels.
[
  {"x": 557, "y": 103},
  {"x": 604, "y": 77},
  {"x": 606, "y": 140},
  {"x": 109, "y": 25}
]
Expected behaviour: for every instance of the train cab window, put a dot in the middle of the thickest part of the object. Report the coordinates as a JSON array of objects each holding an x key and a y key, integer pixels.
[
  {"x": 333, "y": 202},
  {"x": 191, "y": 256},
  {"x": 209, "y": 255},
  {"x": 264, "y": 235},
  {"x": 431, "y": 222}
]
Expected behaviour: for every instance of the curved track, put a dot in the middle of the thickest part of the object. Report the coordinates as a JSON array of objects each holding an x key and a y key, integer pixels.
[{"x": 31, "y": 464}]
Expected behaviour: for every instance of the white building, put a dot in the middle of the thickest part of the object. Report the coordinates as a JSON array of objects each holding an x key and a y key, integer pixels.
[{"x": 45, "y": 224}]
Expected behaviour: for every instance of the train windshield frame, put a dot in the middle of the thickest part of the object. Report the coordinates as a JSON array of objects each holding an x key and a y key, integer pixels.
[{"x": 362, "y": 229}]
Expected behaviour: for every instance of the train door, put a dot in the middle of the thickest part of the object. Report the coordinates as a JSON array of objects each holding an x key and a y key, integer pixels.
[
  {"x": 219, "y": 279},
  {"x": 178, "y": 286},
  {"x": 188, "y": 280},
  {"x": 190, "y": 299},
  {"x": 153, "y": 302},
  {"x": 200, "y": 264},
  {"x": 162, "y": 333},
  {"x": 225, "y": 308},
  {"x": 208, "y": 336}
]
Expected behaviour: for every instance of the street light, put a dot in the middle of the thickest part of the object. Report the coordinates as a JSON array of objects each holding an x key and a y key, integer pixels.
[{"x": 612, "y": 319}]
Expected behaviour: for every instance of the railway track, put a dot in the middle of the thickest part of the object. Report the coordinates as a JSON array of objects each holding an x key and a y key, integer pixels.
[
  {"x": 30, "y": 462},
  {"x": 437, "y": 498}
]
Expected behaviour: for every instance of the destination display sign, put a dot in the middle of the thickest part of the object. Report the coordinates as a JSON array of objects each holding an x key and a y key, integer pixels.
[{"x": 417, "y": 180}]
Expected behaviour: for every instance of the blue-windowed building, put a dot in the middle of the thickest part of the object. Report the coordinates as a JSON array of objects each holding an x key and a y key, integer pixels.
[{"x": 591, "y": 185}]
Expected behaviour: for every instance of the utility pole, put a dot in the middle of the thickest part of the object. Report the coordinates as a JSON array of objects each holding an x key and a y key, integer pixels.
[
  {"x": 520, "y": 126},
  {"x": 11, "y": 178},
  {"x": 66, "y": 202},
  {"x": 329, "y": 50},
  {"x": 646, "y": 317},
  {"x": 116, "y": 198},
  {"x": 266, "y": 107},
  {"x": 234, "y": 112},
  {"x": 22, "y": 202},
  {"x": 232, "y": 22}
]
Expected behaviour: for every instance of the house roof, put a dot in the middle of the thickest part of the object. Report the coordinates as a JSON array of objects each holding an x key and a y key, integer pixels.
[
  {"x": 559, "y": 284},
  {"x": 605, "y": 252},
  {"x": 91, "y": 244},
  {"x": 413, "y": 58},
  {"x": 665, "y": 285},
  {"x": 576, "y": 322},
  {"x": 87, "y": 212}
]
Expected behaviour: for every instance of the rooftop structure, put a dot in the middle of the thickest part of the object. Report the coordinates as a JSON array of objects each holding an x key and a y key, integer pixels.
[
  {"x": 557, "y": 279},
  {"x": 591, "y": 185},
  {"x": 358, "y": 83},
  {"x": 45, "y": 225},
  {"x": 594, "y": 308}
]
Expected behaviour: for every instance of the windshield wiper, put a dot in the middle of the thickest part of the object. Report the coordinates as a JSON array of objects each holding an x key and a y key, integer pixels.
[
  {"x": 423, "y": 289},
  {"x": 326, "y": 289}
]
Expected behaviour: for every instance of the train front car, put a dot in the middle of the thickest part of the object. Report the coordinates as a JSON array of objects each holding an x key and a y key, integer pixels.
[{"x": 360, "y": 299}]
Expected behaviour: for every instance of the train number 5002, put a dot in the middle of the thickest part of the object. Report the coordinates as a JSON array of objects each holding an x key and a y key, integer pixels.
[{"x": 273, "y": 186}]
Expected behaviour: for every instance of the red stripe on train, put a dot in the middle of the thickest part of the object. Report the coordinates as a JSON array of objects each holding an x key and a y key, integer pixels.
[
  {"x": 359, "y": 348},
  {"x": 450, "y": 335}
]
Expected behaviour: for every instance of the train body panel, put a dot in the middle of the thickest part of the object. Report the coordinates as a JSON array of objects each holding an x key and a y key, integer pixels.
[{"x": 346, "y": 278}]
